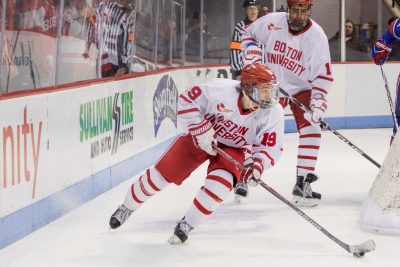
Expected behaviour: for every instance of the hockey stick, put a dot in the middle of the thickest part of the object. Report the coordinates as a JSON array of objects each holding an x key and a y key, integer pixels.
[
  {"x": 389, "y": 97},
  {"x": 328, "y": 127},
  {"x": 357, "y": 250}
]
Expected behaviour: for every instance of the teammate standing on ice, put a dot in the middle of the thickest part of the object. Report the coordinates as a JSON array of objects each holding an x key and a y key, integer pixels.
[
  {"x": 380, "y": 52},
  {"x": 296, "y": 49},
  {"x": 252, "y": 9},
  {"x": 242, "y": 118}
]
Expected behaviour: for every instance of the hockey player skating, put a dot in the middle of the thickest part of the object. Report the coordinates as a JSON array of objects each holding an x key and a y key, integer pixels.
[
  {"x": 242, "y": 118},
  {"x": 252, "y": 10},
  {"x": 380, "y": 52},
  {"x": 296, "y": 49}
]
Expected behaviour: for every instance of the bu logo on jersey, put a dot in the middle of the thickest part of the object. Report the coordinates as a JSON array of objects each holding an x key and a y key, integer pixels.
[
  {"x": 272, "y": 27},
  {"x": 221, "y": 107}
]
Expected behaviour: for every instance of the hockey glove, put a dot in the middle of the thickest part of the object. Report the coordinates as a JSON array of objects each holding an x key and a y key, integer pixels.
[
  {"x": 252, "y": 172},
  {"x": 317, "y": 110},
  {"x": 203, "y": 136},
  {"x": 380, "y": 52},
  {"x": 252, "y": 54}
]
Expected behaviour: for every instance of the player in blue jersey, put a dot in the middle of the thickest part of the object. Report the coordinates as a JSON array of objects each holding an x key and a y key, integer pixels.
[{"x": 380, "y": 52}]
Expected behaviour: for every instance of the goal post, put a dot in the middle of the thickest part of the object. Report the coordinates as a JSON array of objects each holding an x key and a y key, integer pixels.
[{"x": 381, "y": 210}]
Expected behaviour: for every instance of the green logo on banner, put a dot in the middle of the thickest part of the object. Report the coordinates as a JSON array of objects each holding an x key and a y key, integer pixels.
[{"x": 107, "y": 122}]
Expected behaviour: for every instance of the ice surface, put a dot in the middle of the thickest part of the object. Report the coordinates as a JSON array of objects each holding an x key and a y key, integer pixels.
[{"x": 261, "y": 231}]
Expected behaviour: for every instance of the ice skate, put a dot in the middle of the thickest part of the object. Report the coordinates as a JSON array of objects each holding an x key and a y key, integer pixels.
[
  {"x": 241, "y": 191},
  {"x": 181, "y": 233},
  {"x": 119, "y": 216},
  {"x": 303, "y": 196}
]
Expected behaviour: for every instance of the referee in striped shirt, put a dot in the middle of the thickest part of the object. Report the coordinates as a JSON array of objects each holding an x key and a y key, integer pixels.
[
  {"x": 252, "y": 9},
  {"x": 112, "y": 29}
]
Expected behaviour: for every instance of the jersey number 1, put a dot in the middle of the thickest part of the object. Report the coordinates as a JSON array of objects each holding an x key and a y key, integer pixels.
[{"x": 328, "y": 69}]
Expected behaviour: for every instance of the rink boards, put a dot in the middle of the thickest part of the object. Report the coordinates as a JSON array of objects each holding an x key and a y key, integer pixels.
[{"x": 60, "y": 147}]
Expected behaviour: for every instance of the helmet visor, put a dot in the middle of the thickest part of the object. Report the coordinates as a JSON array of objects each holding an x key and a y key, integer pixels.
[{"x": 266, "y": 94}]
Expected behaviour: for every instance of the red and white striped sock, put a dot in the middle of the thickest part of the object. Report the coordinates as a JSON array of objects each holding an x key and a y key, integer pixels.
[
  {"x": 216, "y": 189},
  {"x": 309, "y": 143},
  {"x": 146, "y": 186}
]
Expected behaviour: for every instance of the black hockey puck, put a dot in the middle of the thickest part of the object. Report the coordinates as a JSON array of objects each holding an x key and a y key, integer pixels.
[{"x": 358, "y": 254}]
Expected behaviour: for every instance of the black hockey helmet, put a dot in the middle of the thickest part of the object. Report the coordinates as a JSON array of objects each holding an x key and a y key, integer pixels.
[{"x": 247, "y": 3}]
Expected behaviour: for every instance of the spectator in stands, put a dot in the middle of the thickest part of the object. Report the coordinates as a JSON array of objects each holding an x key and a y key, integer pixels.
[
  {"x": 355, "y": 49},
  {"x": 281, "y": 9},
  {"x": 193, "y": 34},
  {"x": 74, "y": 18},
  {"x": 264, "y": 11},
  {"x": 112, "y": 30},
  {"x": 39, "y": 16},
  {"x": 351, "y": 38},
  {"x": 395, "y": 54}
]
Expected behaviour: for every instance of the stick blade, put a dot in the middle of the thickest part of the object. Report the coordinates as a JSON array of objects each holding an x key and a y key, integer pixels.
[{"x": 360, "y": 249}]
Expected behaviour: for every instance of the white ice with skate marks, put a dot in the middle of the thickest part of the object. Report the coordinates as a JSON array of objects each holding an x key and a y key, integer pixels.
[{"x": 261, "y": 231}]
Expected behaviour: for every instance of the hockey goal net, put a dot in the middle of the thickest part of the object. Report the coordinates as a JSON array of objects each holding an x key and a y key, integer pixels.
[{"x": 381, "y": 210}]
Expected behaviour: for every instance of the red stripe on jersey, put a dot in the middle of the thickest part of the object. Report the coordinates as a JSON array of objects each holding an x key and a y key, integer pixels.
[
  {"x": 310, "y": 136},
  {"x": 320, "y": 89},
  {"x": 248, "y": 39},
  {"x": 220, "y": 180},
  {"x": 269, "y": 157},
  {"x": 306, "y": 168},
  {"x": 151, "y": 182},
  {"x": 142, "y": 187},
  {"x": 201, "y": 208},
  {"x": 134, "y": 195},
  {"x": 180, "y": 112},
  {"x": 309, "y": 147},
  {"x": 306, "y": 157},
  {"x": 325, "y": 78},
  {"x": 211, "y": 194},
  {"x": 186, "y": 100}
]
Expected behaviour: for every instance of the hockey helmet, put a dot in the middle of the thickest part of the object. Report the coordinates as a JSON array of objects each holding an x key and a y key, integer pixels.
[
  {"x": 247, "y": 3},
  {"x": 301, "y": 2},
  {"x": 299, "y": 12},
  {"x": 259, "y": 84}
]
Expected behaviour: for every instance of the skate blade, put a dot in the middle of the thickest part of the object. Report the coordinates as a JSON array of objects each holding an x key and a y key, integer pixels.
[
  {"x": 305, "y": 202},
  {"x": 174, "y": 240},
  {"x": 237, "y": 199}
]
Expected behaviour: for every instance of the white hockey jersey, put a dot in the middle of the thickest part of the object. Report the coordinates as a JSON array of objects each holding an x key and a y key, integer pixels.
[
  {"x": 300, "y": 61},
  {"x": 259, "y": 131}
]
